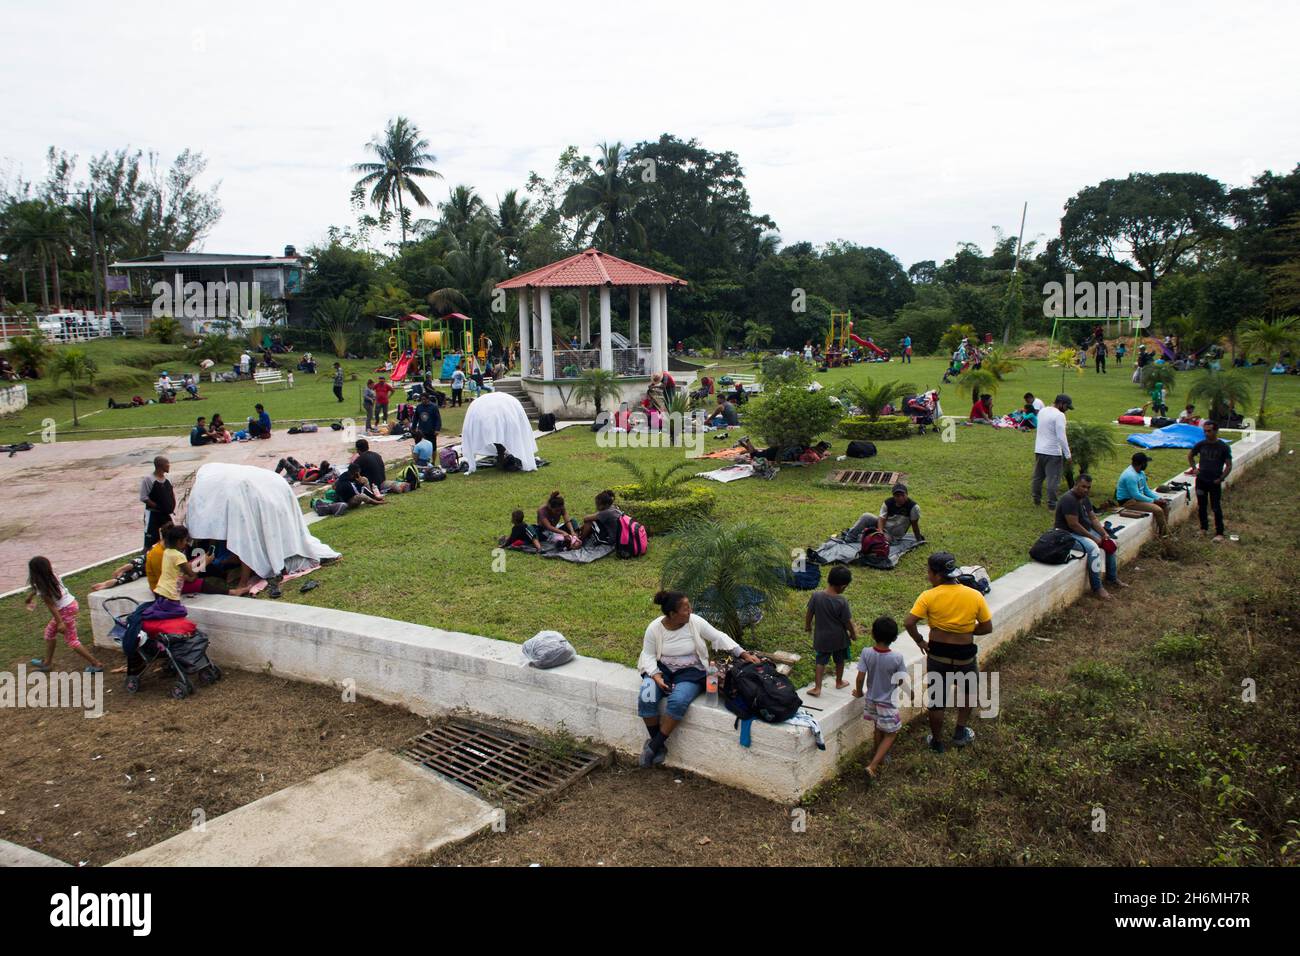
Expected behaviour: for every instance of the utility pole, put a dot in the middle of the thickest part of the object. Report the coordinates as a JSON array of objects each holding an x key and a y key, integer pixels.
[{"x": 94, "y": 252}]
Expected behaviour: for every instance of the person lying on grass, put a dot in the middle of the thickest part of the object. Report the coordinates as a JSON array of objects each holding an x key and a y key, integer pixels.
[
  {"x": 830, "y": 621},
  {"x": 63, "y": 609},
  {"x": 876, "y": 669},
  {"x": 674, "y": 664}
]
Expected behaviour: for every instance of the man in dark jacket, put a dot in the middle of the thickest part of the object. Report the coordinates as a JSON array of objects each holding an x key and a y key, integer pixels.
[{"x": 428, "y": 420}]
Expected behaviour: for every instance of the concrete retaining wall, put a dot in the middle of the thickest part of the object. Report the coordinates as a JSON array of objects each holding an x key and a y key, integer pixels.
[
  {"x": 432, "y": 671},
  {"x": 13, "y": 398}
]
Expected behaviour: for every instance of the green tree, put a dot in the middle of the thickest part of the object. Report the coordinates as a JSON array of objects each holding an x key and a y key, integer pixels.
[
  {"x": 777, "y": 371},
  {"x": 717, "y": 325},
  {"x": 603, "y": 199},
  {"x": 725, "y": 568},
  {"x": 31, "y": 354},
  {"x": 1269, "y": 340},
  {"x": 597, "y": 385},
  {"x": 1091, "y": 443},
  {"x": 337, "y": 318},
  {"x": 76, "y": 366},
  {"x": 1224, "y": 392},
  {"x": 792, "y": 417},
  {"x": 402, "y": 157}
]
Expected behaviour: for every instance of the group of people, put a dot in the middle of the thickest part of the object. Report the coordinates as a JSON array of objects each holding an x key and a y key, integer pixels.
[{"x": 555, "y": 529}]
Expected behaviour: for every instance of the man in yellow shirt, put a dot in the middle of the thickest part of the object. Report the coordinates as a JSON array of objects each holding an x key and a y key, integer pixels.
[{"x": 955, "y": 614}]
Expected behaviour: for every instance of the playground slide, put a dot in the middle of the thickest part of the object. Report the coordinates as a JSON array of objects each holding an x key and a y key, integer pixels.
[
  {"x": 401, "y": 368},
  {"x": 1160, "y": 347},
  {"x": 871, "y": 345}
]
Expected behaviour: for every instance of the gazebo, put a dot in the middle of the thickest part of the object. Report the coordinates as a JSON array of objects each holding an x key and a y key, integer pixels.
[{"x": 550, "y": 369}]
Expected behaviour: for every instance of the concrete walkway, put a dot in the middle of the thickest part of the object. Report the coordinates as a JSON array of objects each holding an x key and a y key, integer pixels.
[
  {"x": 11, "y": 854},
  {"x": 378, "y": 810}
]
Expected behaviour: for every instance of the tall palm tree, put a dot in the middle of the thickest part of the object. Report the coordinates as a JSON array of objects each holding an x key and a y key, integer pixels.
[
  {"x": 74, "y": 365},
  {"x": 1269, "y": 340},
  {"x": 462, "y": 208},
  {"x": 403, "y": 157},
  {"x": 511, "y": 221},
  {"x": 717, "y": 325},
  {"x": 604, "y": 199},
  {"x": 39, "y": 232},
  {"x": 468, "y": 273}
]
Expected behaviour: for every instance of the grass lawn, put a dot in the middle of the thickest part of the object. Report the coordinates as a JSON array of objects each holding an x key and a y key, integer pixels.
[{"x": 427, "y": 557}]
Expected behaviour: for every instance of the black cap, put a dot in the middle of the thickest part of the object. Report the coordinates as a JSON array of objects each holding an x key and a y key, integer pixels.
[
  {"x": 900, "y": 489},
  {"x": 943, "y": 563},
  {"x": 1141, "y": 458},
  {"x": 1065, "y": 400}
]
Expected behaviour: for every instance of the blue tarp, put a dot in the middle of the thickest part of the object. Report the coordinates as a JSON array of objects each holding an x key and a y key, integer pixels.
[{"x": 1171, "y": 436}]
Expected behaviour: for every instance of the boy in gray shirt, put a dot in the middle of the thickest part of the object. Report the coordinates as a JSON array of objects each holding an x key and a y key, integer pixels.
[
  {"x": 876, "y": 669},
  {"x": 834, "y": 630}
]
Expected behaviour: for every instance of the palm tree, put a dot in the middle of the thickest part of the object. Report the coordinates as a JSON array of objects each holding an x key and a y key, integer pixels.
[
  {"x": 603, "y": 199},
  {"x": 511, "y": 222},
  {"x": 469, "y": 271},
  {"x": 39, "y": 232},
  {"x": 1223, "y": 391},
  {"x": 403, "y": 157},
  {"x": 337, "y": 318},
  {"x": 1064, "y": 359},
  {"x": 980, "y": 381},
  {"x": 1269, "y": 340},
  {"x": 756, "y": 336},
  {"x": 717, "y": 325},
  {"x": 75, "y": 365},
  {"x": 595, "y": 385},
  {"x": 31, "y": 354},
  {"x": 653, "y": 484},
  {"x": 726, "y": 569},
  {"x": 1164, "y": 373},
  {"x": 463, "y": 208},
  {"x": 872, "y": 397},
  {"x": 1090, "y": 444}
]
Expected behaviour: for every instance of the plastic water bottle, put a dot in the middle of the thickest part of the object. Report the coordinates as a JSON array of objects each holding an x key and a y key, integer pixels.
[{"x": 711, "y": 685}]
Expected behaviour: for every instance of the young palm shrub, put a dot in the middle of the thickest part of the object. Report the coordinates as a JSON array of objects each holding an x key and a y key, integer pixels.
[
  {"x": 165, "y": 329},
  {"x": 1269, "y": 340},
  {"x": 653, "y": 483},
  {"x": 74, "y": 365},
  {"x": 1091, "y": 443},
  {"x": 980, "y": 381},
  {"x": 1224, "y": 392},
  {"x": 595, "y": 385},
  {"x": 725, "y": 569},
  {"x": 30, "y": 354},
  {"x": 663, "y": 501},
  {"x": 1064, "y": 359},
  {"x": 337, "y": 318},
  {"x": 872, "y": 397},
  {"x": 1158, "y": 373},
  {"x": 717, "y": 325}
]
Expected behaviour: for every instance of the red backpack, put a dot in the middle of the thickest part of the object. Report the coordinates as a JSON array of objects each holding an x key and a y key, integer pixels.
[
  {"x": 633, "y": 540},
  {"x": 875, "y": 544}
]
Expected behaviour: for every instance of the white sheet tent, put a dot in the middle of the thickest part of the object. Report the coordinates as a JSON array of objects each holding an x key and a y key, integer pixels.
[
  {"x": 254, "y": 511},
  {"x": 497, "y": 418}
]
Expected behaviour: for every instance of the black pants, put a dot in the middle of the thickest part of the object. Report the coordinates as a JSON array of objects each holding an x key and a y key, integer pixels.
[
  {"x": 156, "y": 521},
  {"x": 1210, "y": 495},
  {"x": 455, "y": 396},
  {"x": 338, "y": 392}
]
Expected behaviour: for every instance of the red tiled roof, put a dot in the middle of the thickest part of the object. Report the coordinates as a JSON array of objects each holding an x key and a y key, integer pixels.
[{"x": 590, "y": 268}]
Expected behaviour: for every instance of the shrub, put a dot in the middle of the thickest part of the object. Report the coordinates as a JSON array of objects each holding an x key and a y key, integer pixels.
[
  {"x": 862, "y": 428},
  {"x": 872, "y": 397},
  {"x": 952, "y": 338},
  {"x": 1098, "y": 675},
  {"x": 30, "y": 354},
  {"x": 778, "y": 371},
  {"x": 1091, "y": 443},
  {"x": 688, "y": 504},
  {"x": 792, "y": 417},
  {"x": 165, "y": 329}
]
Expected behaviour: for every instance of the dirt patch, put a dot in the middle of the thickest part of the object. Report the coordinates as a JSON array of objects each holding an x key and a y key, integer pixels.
[{"x": 92, "y": 790}]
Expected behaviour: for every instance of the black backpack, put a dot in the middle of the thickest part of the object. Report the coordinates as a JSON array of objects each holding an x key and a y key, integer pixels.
[
  {"x": 1055, "y": 547},
  {"x": 546, "y": 423},
  {"x": 758, "y": 690},
  {"x": 860, "y": 449}
]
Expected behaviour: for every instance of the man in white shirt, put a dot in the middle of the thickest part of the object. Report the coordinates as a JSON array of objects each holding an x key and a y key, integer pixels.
[
  {"x": 245, "y": 361},
  {"x": 1031, "y": 399},
  {"x": 1051, "y": 450}
]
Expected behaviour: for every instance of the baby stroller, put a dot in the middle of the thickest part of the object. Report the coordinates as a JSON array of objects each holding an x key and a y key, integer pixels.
[
  {"x": 923, "y": 410},
  {"x": 185, "y": 649}
]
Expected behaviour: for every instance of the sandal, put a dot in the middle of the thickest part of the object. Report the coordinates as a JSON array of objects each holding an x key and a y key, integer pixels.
[
  {"x": 94, "y": 669},
  {"x": 40, "y": 665},
  {"x": 309, "y": 586}
]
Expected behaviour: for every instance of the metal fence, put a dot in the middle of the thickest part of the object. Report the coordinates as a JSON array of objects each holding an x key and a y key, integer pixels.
[{"x": 571, "y": 363}]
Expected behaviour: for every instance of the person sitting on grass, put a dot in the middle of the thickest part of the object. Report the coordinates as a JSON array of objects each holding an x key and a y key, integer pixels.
[
  {"x": 372, "y": 467},
  {"x": 521, "y": 536},
  {"x": 199, "y": 434},
  {"x": 63, "y": 608},
  {"x": 218, "y": 431},
  {"x": 674, "y": 664},
  {"x": 899, "y": 514},
  {"x": 260, "y": 427},
  {"x": 724, "y": 414},
  {"x": 421, "y": 450},
  {"x": 555, "y": 525},
  {"x": 955, "y": 614},
  {"x": 1132, "y": 492},
  {"x": 830, "y": 621},
  {"x": 604, "y": 523},
  {"x": 980, "y": 413},
  {"x": 1188, "y": 416},
  {"x": 877, "y": 666},
  {"x": 1075, "y": 514},
  {"x": 353, "y": 490}
]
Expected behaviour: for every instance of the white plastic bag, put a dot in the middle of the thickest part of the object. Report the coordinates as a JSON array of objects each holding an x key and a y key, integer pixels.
[{"x": 548, "y": 649}]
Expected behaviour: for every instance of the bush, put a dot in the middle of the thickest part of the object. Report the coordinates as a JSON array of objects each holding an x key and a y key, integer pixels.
[
  {"x": 778, "y": 371},
  {"x": 792, "y": 417},
  {"x": 689, "y": 503},
  {"x": 165, "y": 329},
  {"x": 862, "y": 428},
  {"x": 30, "y": 354}
]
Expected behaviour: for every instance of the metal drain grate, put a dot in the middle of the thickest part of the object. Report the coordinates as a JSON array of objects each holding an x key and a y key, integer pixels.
[
  {"x": 866, "y": 478},
  {"x": 502, "y": 766}
]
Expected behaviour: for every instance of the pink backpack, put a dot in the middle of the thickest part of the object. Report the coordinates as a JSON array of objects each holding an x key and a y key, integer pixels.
[{"x": 633, "y": 540}]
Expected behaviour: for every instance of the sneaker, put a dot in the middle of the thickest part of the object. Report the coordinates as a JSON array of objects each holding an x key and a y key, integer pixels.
[
  {"x": 648, "y": 755},
  {"x": 962, "y": 736},
  {"x": 660, "y": 757},
  {"x": 935, "y": 745}
]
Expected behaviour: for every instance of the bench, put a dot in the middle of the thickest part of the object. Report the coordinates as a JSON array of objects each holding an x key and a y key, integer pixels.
[
  {"x": 272, "y": 376},
  {"x": 750, "y": 383}
]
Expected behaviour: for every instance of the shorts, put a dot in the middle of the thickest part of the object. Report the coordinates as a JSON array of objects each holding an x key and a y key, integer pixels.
[
  {"x": 68, "y": 616},
  {"x": 884, "y": 716},
  {"x": 947, "y": 685},
  {"x": 840, "y": 655}
]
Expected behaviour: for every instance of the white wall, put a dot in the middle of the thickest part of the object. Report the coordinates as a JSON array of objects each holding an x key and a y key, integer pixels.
[{"x": 13, "y": 398}]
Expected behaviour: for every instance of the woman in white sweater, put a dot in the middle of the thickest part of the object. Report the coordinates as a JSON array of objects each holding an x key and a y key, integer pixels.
[{"x": 673, "y": 664}]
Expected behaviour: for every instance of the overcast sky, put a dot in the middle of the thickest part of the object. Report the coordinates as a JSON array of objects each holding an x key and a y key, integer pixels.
[{"x": 907, "y": 126}]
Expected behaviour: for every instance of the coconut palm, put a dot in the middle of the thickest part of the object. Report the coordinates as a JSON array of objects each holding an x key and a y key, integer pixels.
[
  {"x": 871, "y": 397},
  {"x": 403, "y": 157},
  {"x": 461, "y": 210},
  {"x": 74, "y": 365},
  {"x": 470, "y": 270},
  {"x": 595, "y": 385},
  {"x": 1269, "y": 340},
  {"x": 603, "y": 199},
  {"x": 756, "y": 336},
  {"x": 725, "y": 569},
  {"x": 511, "y": 222},
  {"x": 31, "y": 354},
  {"x": 38, "y": 232},
  {"x": 1224, "y": 392}
]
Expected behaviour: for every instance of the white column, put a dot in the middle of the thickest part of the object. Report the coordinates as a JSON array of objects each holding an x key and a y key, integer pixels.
[
  {"x": 663, "y": 327},
  {"x": 584, "y": 318},
  {"x": 634, "y": 315},
  {"x": 606, "y": 345},
  {"x": 548, "y": 343},
  {"x": 656, "y": 336},
  {"x": 535, "y": 302},
  {"x": 525, "y": 331}
]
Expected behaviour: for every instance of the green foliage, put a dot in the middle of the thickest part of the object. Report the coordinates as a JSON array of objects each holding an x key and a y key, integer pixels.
[
  {"x": 222, "y": 350},
  {"x": 30, "y": 354},
  {"x": 717, "y": 565},
  {"x": 1269, "y": 340},
  {"x": 402, "y": 156},
  {"x": 1175, "y": 647},
  {"x": 861, "y": 428},
  {"x": 871, "y": 397},
  {"x": 1091, "y": 443},
  {"x": 1222, "y": 391},
  {"x": 791, "y": 416},
  {"x": 952, "y": 338},
  {"x": 337, "y": 318},
  {"x": 76, "y": 366},
  {"x": 597, "y": 385},
  {"x": 165, "y": 329},
  {"x": 1164, "y": 373},
  {"x": 688, "y": 504},
  {"x": 654, "y": 483},
  {"x": 777, "y": 371},
  {"x": 717, "y": 325}
]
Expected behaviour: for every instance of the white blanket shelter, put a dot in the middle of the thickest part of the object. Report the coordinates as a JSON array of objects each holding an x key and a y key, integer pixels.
[
  {"x": 497, "y": 419},
  {"x": 254, "y": 511}
]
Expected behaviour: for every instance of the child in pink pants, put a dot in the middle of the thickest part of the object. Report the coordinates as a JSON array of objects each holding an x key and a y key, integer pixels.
[{"x": 63, "y": 609}]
